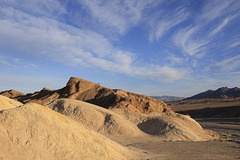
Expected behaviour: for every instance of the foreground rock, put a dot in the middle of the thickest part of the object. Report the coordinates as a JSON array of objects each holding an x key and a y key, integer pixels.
[
  {"x": 36, "y": 132},
  {"x": 83, "y": 90}
]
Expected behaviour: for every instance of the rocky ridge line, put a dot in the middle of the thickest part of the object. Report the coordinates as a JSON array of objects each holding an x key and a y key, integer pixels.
[{"x": 90, "y": 92}]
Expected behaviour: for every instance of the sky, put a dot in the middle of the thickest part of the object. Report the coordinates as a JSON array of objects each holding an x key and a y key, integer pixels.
[{"x": 153, "y": 47}]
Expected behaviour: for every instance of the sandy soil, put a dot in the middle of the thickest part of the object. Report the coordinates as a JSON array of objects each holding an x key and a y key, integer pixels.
[{"x": 226, "y": 149}]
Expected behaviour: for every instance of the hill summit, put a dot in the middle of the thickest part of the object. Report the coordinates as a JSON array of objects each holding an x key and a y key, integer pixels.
[{"x": 80, "y": 89}]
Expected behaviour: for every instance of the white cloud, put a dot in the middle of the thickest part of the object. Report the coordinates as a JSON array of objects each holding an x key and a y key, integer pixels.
[
  {"x": 185, "y": 39},
  {"x": 15, "y": 63},
  {"x": 4, "y": 61},
  {"x": 159, "y": 26},
  {"x": 46, "y": 8},
  {"x": 213, "y": 9},
  {"x": 175, "y": 59},
  {"x": 71, "y": 46},
  {"x": 162, "y": 74},
  {"x": 220, "y": 27},
  {"x": 199, "y": 38},
  {"x": 237, "y": 43},
  {"x": 118, "y": 15},
  {"x": 230, "y": 64}
]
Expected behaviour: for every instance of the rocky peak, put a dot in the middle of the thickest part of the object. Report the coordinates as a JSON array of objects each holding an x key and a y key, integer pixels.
[
  {"x": 77, "y": 85},
  {"x": 80, "y": 89}
]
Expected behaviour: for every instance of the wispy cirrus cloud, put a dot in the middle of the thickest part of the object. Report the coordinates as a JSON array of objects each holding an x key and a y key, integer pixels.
[
  {"x": 4, "y": 61},
  {"x": 47, "y": 8},
  {"x": 118, "y": 15},
  {"x": 177, "y": 40},
  {"x": 213, "y": 10},
  {"x": 16, "y": 63},
  {"x": 234, "y": 44},
  {"x": 163, "y": 22},
  {"x": 220, "y": 27},
  {"x": 191, "y": 42},
  {"x": 230, "y": 64},
  {"x": 196, "y": 40},
  {"x": 72, "y": 46}
]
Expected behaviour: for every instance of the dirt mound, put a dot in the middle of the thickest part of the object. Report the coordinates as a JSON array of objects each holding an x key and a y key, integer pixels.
[
  {"x": 97, "y": 118},
  {"x": 84, "y": 90},
  {"x": 7, "y": 103},
  {"x": 176, "y": 127},
  {"x": 166, "y": 126},
  {"x": 33, "y": 131}
]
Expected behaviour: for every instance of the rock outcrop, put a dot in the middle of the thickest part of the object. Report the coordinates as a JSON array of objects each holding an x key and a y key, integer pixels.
[
  {"x": 12, "y": 94},
  {"x": 87, "y": 91}
]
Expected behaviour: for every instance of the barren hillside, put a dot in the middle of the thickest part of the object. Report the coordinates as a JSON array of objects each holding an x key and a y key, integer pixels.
[{"x": 87, "y": 91}]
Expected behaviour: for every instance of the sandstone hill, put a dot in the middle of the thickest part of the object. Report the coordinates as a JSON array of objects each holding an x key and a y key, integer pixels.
[
  {"x": 12, "y": 94},
  {"x": 97, "y": 118},
  {"x": 87, "y": 91},
  {"x": 33, "y": 131},
  {"x": 163, "y": 126}
]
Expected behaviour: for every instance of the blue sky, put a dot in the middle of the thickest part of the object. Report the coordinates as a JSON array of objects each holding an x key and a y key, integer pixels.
[{"x": 154, "y": 47}]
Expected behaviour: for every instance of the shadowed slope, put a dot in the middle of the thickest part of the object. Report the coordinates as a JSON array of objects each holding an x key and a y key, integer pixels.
[{"x": 12, "y": 94}]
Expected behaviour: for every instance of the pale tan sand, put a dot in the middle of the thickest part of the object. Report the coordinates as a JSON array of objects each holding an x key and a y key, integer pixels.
[
  {"x": 7, "y": 103},
  {"x": 166, "y": 126},
  {"x": 97, "y": 118},
  {"x": 228, "y": 148},
  {"x": 34, "y": 132},
  {"x": 157, "y": 148}
]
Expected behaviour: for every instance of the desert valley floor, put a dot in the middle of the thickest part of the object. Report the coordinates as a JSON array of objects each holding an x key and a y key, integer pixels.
[{"x": 226, "y": 149}]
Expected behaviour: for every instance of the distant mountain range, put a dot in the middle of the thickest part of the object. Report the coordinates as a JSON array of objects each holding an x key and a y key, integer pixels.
[
  {"x": 168, "y": 98},
  {"x": 220, "y": 93}
]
